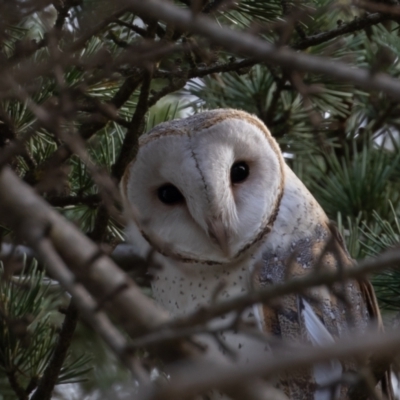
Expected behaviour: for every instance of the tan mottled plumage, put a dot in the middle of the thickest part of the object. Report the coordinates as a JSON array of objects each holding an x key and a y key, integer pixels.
[{"x": 261, "y": 231}]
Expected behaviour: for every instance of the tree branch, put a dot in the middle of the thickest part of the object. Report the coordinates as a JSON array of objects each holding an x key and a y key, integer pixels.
[
  {"x": 58, "y": 243},
  {"x": 175, "y": 84},
  {"x": 353, "y": 26},
  {"x": 246, "y": 44},
  {"x": 92, "y": 200},
  {"x": 50, "y": 376},
  {"x": 31, "y": 217},
  {"x": 16, "y": 387},
  {"x": 127, "y": 152},
  {"x": 88, "y": 129},
  {"x": 190, "y": 379},
  {"x": 204, "y": 71},
  {"x": 390, "y": 258},
  {"x": 130, "y": 144}
]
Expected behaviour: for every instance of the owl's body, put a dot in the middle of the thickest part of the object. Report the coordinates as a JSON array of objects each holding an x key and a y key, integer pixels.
[{"x": 241, "y": 220}]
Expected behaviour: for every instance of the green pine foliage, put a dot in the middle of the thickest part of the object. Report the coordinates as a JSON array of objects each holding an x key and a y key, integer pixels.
[{"x": 28, "y": 331}]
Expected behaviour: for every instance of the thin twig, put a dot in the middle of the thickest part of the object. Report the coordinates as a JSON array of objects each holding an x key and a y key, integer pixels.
[
  {"x": 16, "y": 387},
  {"x": 50, "y": 376},
  {"x": 130, "y": 143},
  {"x": 350, "y": 27},
  {"x": 92, "y": 200},
  {"x": 87, "y": 130}
]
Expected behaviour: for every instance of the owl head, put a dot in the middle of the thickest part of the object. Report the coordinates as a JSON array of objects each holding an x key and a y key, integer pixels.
[{"x": 208, "y": 186}]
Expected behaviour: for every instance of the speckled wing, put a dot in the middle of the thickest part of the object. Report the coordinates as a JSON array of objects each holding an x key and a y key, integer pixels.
[{"x": 320, "y": 315}]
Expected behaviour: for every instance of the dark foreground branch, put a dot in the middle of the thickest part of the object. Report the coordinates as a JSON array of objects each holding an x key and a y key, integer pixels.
[
  {"x": 52, "y": 371},
  {"x": 246, "y": 44},
  {"x": 59, "y": 244},
  {"x": 34, "y": 220},
  {"x": 190, "y": 379},
  {"x": 388, "y": 259}
]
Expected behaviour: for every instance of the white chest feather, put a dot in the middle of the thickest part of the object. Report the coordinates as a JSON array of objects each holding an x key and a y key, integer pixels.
[{"x": 183, "y": 289}]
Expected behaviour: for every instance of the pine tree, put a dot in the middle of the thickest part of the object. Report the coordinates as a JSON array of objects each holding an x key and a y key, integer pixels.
[{"x": 81, "y": 81}]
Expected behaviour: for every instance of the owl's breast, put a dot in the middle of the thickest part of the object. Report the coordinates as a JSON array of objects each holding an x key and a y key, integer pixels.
[{"x": 182, "y": 289}]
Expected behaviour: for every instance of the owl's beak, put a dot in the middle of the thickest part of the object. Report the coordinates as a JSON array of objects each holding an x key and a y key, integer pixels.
[{"x": 218, "y": 231}]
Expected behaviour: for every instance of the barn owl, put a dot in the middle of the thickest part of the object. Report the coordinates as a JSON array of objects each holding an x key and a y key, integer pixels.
[{"x": 227, "y": 215}]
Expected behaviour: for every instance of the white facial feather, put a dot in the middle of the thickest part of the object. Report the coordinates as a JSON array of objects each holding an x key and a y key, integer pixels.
[{"x": 198, "y": 163}]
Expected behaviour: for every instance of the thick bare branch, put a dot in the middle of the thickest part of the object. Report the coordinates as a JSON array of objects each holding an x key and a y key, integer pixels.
[
  {"x": 57, "y": 243},
  {"x": 34, "y": 220},
  {"x": 246, "y": 44},
  {"x": 190, "y": 379},
  {"x": 48, "y": 233},
  {"x": 82, "y": 299}
]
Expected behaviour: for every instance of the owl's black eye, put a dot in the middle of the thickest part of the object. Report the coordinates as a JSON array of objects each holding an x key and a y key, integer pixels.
[
  {"x": 169, "y": 194},
  {"x": 239, "y": 172}
]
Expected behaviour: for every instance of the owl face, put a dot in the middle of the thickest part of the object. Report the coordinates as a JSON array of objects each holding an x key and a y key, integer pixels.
[{"x": 207, "y": 185}]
